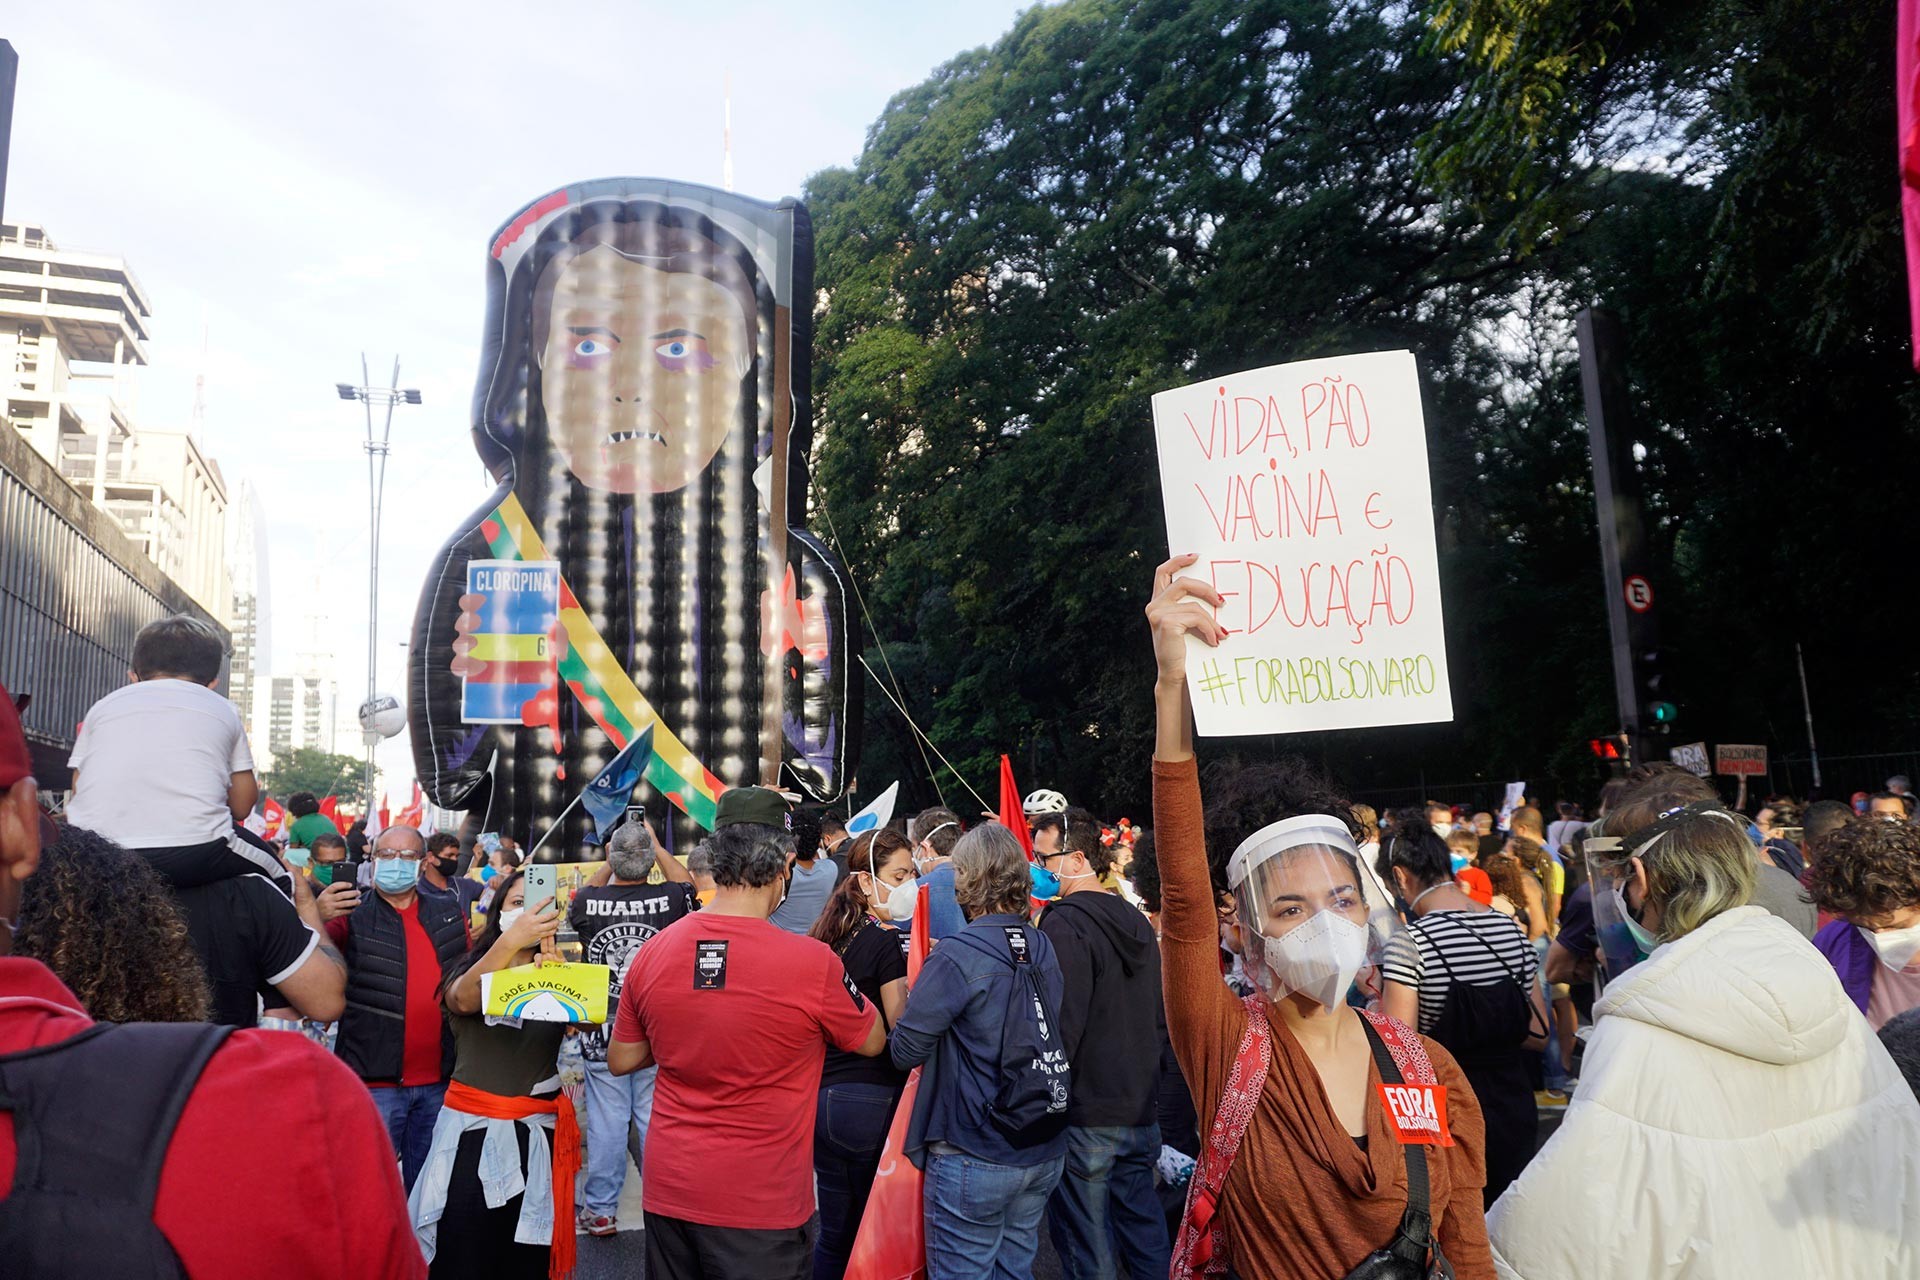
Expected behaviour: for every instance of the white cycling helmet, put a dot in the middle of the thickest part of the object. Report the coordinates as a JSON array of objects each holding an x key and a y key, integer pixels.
[{"x": 1043, "y": 802}]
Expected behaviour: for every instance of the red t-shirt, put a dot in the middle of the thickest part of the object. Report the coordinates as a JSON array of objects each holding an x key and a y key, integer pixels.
[
  {"x": 739, "y": 1015},
  {"x": 271, "y": 1154},
  {"x": 420, "y": 1059}
]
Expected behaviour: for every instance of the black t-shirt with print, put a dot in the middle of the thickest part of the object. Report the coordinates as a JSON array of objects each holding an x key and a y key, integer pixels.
[
  {"x": 249, "y": 937},
  {"x": 613, "y": 921},
  {"x": 873, "y": 957}
]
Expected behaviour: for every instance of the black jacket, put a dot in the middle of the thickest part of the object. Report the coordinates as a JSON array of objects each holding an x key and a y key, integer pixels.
[
  {"x": 373, "y": 1035},
  {"x": 1111, "y": 1016}
]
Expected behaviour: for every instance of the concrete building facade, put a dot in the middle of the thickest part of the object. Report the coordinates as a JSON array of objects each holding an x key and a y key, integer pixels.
[
  {"x": 74, "y": 591},
  {"x": 73, "y": 327}
]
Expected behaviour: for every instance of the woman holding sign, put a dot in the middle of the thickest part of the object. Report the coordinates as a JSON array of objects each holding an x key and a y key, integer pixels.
[
  {"x": 504, "y": 1110},
  {"x": 1319, "y": 1118}
]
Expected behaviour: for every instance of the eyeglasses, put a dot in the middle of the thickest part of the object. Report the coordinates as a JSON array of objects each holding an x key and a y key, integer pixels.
[{"x": 402, "y": 855}]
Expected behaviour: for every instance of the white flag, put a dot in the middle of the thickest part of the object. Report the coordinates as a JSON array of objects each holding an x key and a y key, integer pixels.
[{"x": 876, "y": 815}]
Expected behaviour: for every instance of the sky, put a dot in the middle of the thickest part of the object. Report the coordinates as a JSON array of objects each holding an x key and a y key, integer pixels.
[{"x": 296, "y": 185}]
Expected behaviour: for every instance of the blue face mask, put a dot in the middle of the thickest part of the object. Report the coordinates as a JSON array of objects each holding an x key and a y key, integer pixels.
[
  {"x": 1046, "y": 885},
  {"x": 299, "y": 858},
  {"x": 1459, "y": 860},
  {"x": 395, "y": 875}
]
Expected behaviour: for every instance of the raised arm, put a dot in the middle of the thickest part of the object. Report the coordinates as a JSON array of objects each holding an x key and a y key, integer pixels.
[{"x": 1199, "y": 1006}]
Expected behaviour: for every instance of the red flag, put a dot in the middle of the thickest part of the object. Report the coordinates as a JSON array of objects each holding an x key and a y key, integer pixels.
[
  {"x": 1012, "y": 815},
  {"x": 415, "y": 812},
  {"x": 275, "y": 815},
  {"x": 331, "y": 808},
  {"x": 892, "y": 1240}
]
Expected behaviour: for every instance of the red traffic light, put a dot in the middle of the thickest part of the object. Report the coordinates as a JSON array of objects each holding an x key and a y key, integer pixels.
[{"x": 1606, "y": 748}]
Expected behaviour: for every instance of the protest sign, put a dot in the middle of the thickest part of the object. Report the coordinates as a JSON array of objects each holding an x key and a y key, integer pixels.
[
  {"x": 1303, "y": 489},
  {"x": 547, "y": 992},
  {"x": 1515, "y": 797},
  {"x": 514, "y": 639},
  {"x": 1692, "y": 757},
  {"x": 1741, "y": 761}
]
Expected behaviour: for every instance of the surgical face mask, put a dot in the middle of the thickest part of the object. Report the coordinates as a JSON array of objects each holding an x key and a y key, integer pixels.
[
  {"x": 901, "y": 901},
  {"x": 299, "y": 858},
  {"x": 1046, "y": 885},
  {"x": 510, "y": 916},
  {"x": 1320, "y": 958},
  {"x": 395, "y": 875},
  {"x": 1645, "y": 941},
  {"x": 1895, "y": 947}
]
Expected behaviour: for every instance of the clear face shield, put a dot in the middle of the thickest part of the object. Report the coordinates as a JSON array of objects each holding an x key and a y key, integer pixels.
[
  {"x": 1305, "y": 926},
  {"x": 1614, "y": 922}
]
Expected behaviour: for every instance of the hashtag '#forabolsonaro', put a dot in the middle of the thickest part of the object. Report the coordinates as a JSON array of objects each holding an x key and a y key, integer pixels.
[{"x": 1214, "y": 682}]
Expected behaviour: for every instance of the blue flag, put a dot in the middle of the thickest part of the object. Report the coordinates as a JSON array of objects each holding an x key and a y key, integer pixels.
[{"x": 607, "y": 795}]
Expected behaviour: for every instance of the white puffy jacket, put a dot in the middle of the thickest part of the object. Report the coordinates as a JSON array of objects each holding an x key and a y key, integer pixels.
[{"x": 1736, "y": 1118}]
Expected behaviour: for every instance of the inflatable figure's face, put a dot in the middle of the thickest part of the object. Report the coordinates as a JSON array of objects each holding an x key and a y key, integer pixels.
[{"x": 641, "y": 371}]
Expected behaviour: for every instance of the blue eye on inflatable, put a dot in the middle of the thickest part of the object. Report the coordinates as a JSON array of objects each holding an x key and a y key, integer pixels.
[{"x": 643, "y": 401}]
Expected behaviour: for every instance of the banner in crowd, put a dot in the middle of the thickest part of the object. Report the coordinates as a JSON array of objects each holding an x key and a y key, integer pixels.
[
  {"x": 1739, "y": 760},
  {"x": 547, "y": 992},
  {"x": 1692, "y": 756},
  {"x": 1304, "y": 490}
]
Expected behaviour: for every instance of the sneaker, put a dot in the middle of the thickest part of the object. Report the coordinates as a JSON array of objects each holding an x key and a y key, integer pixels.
[
  {"x": 1549, "y": 1098},
  {"x": 598, "y": 1225}
]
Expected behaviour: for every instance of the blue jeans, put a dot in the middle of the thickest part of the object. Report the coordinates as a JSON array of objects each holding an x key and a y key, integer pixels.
[
  {"x": 983, "y": 1219},
  {"x": 410, "y": 1110},
  {"x": 613, "y": 1104},
  {"x": 1105, "y": 1205},
  {"x": 850, "y": 1126}
]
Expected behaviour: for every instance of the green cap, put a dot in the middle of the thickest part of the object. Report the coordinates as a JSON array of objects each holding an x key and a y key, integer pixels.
[{"x": 763, "y": 805}]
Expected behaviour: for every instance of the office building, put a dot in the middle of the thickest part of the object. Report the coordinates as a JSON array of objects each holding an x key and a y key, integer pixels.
[{"x": 73, "y": 327}]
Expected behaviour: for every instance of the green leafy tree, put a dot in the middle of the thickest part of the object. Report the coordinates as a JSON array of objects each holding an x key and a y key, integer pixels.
[
  {"x": 1120, "y": 197},
  {"x": 321, "y": 772},
  {"x": 1114, "y": 199}
]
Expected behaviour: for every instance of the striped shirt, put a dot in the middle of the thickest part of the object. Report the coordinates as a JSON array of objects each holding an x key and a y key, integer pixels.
[{"x": 1481, "y": 949}]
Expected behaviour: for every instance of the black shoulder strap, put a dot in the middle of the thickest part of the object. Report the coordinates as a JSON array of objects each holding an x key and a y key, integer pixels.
[
  {"x": 95, "y": 1113},
  {"x": 1416, "y": 1224}
]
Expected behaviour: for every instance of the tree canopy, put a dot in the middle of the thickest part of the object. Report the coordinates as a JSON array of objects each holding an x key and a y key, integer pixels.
[
  {"x": 1116, "y": 198},
  {"x": 321, "y": 772}
]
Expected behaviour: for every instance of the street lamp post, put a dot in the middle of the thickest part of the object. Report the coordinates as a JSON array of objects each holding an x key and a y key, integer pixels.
[{"x": 370, "y": 395}]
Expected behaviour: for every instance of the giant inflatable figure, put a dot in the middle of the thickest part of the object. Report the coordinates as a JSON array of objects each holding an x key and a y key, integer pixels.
[{"x": 643, "y": 402}]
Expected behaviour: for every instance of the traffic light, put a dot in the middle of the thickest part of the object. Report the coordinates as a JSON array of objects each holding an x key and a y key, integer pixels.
[
  {"x": 1657, "y": 710},
  {"x": 1610, "y": 748}
]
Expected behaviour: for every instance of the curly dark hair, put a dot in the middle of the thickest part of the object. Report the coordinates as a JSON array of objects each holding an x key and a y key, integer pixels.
[
  {"x": 1241, "y": 798},
  {"x": 1144, "y": 871},
  {"x": 1867, "y": 868},
  {"x": 1504, "y": 870},
  {"x": 104, "y": 921}
]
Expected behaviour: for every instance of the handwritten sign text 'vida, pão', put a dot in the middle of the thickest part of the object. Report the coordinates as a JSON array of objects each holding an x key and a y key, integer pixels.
[{"x": 1303, "y": 488}]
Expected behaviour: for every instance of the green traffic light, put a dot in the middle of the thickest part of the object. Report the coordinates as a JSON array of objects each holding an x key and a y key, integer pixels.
[{"x": 1663, "y": 712}]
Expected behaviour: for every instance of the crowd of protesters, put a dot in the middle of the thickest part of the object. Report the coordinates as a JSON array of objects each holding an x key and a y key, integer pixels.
[{"x": 1280, "y": 1034}]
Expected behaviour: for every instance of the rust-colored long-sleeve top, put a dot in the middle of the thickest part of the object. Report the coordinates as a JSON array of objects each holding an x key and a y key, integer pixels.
[{"x": 1302, "y": 1201}]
